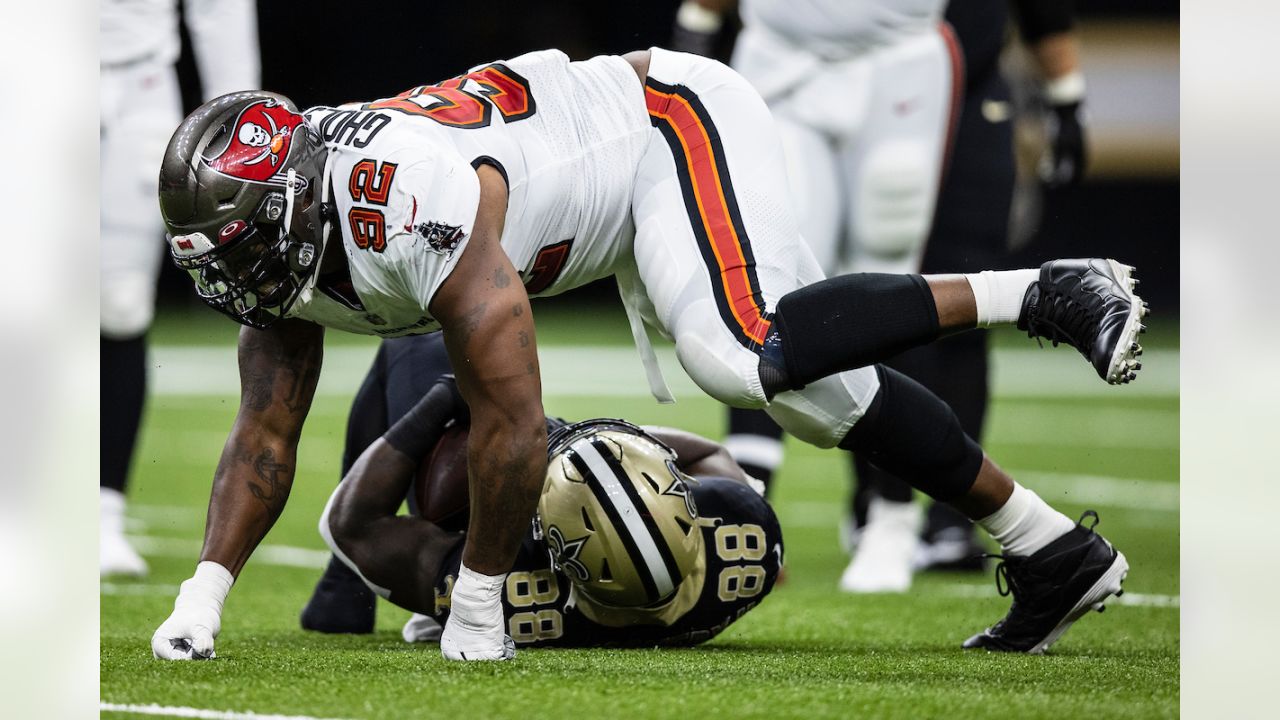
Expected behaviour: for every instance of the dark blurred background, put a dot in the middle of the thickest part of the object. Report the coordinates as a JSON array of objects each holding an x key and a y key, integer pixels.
[{"x": 329, "y": 52}]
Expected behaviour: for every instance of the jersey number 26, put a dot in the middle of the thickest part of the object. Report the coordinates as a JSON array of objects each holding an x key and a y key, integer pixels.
[{"x": 467, "y": 101}]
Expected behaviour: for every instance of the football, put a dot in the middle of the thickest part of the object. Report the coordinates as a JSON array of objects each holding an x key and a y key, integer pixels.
[{"x": 440, "y": 485}]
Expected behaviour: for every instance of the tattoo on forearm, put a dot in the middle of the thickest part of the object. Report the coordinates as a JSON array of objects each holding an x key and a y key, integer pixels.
[
  {"x": 471, "y": 322},
  {"x": 524, "y": 338},
  {"x": 304, "y": 367},
  {"x": 265, "y": 361},
  {"x": 500, "y": 278},
  {"x": 271, "y": 487},
  {"x": 256, "y": 378},
  {"x": 531, "y": 369},
  {"x": 517, "y": 310}
]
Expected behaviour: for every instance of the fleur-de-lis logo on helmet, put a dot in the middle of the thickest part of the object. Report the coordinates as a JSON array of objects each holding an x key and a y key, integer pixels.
[{"x": 564, "y": 554}]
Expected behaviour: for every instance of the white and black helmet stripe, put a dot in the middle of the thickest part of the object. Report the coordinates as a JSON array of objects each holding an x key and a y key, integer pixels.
[{"x": 644, "y": 543}]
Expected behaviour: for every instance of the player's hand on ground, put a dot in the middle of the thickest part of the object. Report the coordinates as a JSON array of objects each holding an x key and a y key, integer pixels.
[
  {"x": 190, "y": 631},
  {"x": 475, "y": 630},
  {"x": 1063, "y": 164},
  {"x": 188, "y": 634}
]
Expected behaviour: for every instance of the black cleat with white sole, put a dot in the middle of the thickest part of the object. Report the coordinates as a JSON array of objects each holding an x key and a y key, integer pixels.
[
  {"x": 1090, "y": 305},
  {"x": 1052, "y": 589},
  {"x": 341, "y": 603}
]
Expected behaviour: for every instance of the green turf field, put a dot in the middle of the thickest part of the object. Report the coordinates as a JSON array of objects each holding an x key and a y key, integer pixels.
[{"x": 807, "y": 651}]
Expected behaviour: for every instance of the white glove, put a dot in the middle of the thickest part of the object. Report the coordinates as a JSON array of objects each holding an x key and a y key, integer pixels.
[
  {"x": 197, "y": 616},
  {"x": 475, "y": 627}
]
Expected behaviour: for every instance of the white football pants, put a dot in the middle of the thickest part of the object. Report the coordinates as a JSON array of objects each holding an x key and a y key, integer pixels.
[
  {"x": 140, "y": 106},
  {"x": 717, "y": 244},
  {"x": 866, "y": 141}
]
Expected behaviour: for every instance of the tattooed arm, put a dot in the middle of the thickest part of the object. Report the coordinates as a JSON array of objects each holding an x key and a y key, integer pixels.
[
  {"x": 488, "y": 330},
  {"x": 279, "y": 368}
]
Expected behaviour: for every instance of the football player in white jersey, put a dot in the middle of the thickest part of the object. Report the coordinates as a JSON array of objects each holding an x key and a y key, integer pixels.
[
  {"x": 450, "y": 205},
  {"x": 139, "y": 106}
]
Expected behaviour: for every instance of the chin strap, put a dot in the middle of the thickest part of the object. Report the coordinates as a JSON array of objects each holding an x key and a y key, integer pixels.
[
  {"x": 305, "y": 252},
  {"x": 290, "y": 189},
  {"x": 326, "y": 224}
]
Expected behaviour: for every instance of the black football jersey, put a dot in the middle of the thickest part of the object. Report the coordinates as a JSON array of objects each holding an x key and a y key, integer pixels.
[{"x": 744, "y": 552}]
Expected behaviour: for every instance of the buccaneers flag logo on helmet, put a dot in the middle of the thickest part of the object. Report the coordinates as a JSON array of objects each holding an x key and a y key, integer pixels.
[{"x": 260, "y": 142}]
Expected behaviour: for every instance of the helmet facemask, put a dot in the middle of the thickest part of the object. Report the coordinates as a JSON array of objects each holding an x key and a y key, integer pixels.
[{"x": 255, "y": 275}]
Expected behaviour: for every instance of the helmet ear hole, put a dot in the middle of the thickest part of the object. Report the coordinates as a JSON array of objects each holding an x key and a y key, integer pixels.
[
  {"x": 605, "y": 574},
  {"x": 652, "y": 483},
  {"x": 586, "y": 520}
]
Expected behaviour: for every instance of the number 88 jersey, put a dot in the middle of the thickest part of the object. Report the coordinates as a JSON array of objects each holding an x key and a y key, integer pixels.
[
  {"x": 743, "y": 549},
  {"x": 567, "y": 138}
]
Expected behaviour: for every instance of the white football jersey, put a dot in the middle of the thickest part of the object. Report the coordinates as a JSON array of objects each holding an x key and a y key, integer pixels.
[
  {"x": 839, "y": 29},
  {"x": 567, "y": 136}
]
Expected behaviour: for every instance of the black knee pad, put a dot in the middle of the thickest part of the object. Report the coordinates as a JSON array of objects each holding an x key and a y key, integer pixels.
[
  {"x": 852, "y": 321},
  {"x": 912, "y": 434}
]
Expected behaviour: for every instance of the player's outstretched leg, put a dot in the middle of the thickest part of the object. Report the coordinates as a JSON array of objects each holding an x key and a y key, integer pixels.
[{"x": 852, "y": 321}]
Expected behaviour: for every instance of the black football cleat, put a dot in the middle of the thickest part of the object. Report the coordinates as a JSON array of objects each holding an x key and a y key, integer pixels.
[
  {"x": 341, "y": 603},
  {"x": 1052, "y": 589},
  {"x": 1089, "y": 305}
]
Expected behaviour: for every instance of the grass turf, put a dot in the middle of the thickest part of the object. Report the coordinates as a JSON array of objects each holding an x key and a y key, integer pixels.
[{"x": 807, "y": 651}]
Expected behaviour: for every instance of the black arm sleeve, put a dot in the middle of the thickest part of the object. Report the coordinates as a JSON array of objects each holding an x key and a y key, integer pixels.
[
  {"x": 420, "y": 428},
  {"x": 1038, "y": 19}
]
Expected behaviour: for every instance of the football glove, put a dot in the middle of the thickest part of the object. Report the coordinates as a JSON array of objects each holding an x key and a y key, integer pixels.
[
  {"x": 1063, "y": 163},
  {"x": 189, "y": 632},
  {"x": 696, "y": 30},
  {"x": 474, "y": 630}
]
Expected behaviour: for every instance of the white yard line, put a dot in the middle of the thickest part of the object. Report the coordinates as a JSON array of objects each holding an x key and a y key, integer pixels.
[
  {"x": 190, "y": 712},
  {"x": 1100, "y": 490},
  {"x": 110, "y": 588},
  {"x": 285, "y": 555},
  {"x": 1131, "y": 599},
  {"x": 1091, "y": 490},
  {"x": 615, "y": 371}
]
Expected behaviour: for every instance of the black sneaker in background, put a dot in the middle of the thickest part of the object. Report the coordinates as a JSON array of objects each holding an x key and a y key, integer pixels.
[
  {"x": 1090, "y": 305},
  {"x": 1052, "y": 589},
  {"x": 951, "y": 549},
  {"x": 341, "y": 603}
]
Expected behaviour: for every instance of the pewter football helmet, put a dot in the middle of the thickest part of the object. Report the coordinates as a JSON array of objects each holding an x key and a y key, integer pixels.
[{"x": 240, "y": 192}]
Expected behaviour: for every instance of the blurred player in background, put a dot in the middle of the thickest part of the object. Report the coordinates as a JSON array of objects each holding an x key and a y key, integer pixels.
[
  {"x": 970, "y": 233},
  {"x": 701, "y": 551},
  {"x": 866, "y": 96},
  {"x": 140, "y": 105}
]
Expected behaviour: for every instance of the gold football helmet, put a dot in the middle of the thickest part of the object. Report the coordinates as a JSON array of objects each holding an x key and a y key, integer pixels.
[{"x": 619, "y": 520}]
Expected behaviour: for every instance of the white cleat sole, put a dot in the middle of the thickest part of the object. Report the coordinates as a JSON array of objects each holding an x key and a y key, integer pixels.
[
  {"x": 1106, "y": 586},
  {"x": 1124, "y": 365}
]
